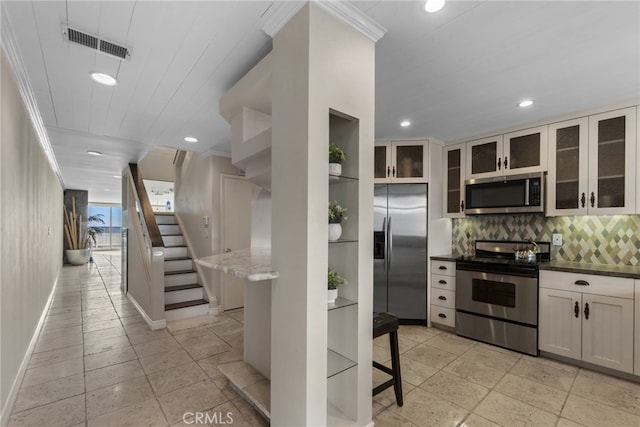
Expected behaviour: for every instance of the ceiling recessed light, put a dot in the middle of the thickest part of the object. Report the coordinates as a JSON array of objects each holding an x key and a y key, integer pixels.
[
  {"x": 432, "y": 6},
  {"x": 104, "y": 79},
  {"x": 405, "y": 123},
  {"x": 525, "y": 103},
  {"x": 94, "y": 153},
  {"x": 117, "y": 176},
  {"x": 107, "y": 189},
  {"x": 190, "y": 139}
]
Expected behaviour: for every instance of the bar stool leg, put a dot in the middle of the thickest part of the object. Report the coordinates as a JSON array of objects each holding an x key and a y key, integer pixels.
[{"x": 395, "y": 366}]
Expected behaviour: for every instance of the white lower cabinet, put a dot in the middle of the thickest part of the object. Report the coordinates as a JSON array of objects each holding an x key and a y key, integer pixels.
[
  {"x": 443, "y": 295},
  {"x": 587, "y": 317}
]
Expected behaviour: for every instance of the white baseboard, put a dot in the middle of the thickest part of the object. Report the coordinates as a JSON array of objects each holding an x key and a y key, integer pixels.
[
  {"x": 214, "y": 310},
  {"x": 153, "y": 324},
  {"x": 17, "y": 382}
]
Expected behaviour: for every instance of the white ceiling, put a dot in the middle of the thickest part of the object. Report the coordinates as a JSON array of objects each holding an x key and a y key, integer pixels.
[{"x": 454, "y": 74}]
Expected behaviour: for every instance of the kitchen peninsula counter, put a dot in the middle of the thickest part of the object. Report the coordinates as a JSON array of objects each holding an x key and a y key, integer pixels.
[{"x": 252, "y": 264}]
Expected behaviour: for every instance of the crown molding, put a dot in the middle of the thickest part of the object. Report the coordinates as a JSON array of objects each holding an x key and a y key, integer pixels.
[
  {"x": 281, "y": 12},
  {"x": 11, "y": 50},
  {"x": 348, "y": 13}
]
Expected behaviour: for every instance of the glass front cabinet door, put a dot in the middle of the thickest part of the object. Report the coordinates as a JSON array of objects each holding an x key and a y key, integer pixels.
[
  {"x": 567, "y": 179},
  {"x": 454, "y": 175},
  {"x": 484, "y": 157},
  {"x": 525, "y": 151},
  {"x": 612, "y": 164},
  {"x": 401, "y": 161}
]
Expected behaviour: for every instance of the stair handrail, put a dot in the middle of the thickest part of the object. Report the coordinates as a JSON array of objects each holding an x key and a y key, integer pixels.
[{"x": 148, "y": 219}]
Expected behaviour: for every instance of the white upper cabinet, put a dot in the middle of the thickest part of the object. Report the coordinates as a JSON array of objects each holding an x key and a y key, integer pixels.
[
  {"x": 518, "y": 152},
  {"x": 454, "y": 176},
  {"x": 612, "y": 162},
  {"x": 567, "y": 180},
  {"x": 401, "y": 162}
]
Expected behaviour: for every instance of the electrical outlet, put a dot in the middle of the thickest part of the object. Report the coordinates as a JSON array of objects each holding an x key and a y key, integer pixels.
[{"x": 557, "y": 239}]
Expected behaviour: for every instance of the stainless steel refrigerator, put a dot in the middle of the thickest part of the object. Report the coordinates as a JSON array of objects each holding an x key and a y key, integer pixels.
[{"x": 400, "y": 251}]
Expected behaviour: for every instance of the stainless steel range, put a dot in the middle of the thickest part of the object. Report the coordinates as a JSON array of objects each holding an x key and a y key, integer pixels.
[{"x": 497, "y": 293}]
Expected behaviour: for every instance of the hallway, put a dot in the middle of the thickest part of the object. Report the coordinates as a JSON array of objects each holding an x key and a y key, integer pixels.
[{"x": 96, "y": 362}]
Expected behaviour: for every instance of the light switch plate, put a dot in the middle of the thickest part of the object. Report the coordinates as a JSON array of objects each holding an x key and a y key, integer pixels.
[{"x": 557, "y": 239}]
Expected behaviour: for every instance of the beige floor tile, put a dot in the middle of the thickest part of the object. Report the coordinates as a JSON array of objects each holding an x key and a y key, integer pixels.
[
  {"x": 249, "y": 413},
  {"x": 63, "y": 310},
  {"x": 540, "y": 370},
  {"x": 43, "y": 374},
  {"x": 414, "y": 372},
  {"x": 430, "y": 356},
  {"x": 404, "y": 344},
  {"x": 109, "y": 314},
  {"x": 140, "y": 332},
  {"x": 387, "y": 398},
  {"x": 380, "y": 354},
  {"x": 143, "y": 414},
  {"x": 237, "y": 315},
  {"x": 197, "y": 397},
  {"x": 610, "y": 391},
  {"x": 49, "y": 334},
  {"x": 90, "y": 326},
  {"x": 536, "y": 394},
  {"x": 423, "y": 408},
  {"x": 392, "y": 419},
  {"x": 117, "y": 396},
  {"x": 96, "y": 336},
  {"x": 55, "y": 356},
  {"x": 509, "y": 412},
  {"x": 131, "y": 320},
  {"x": 175, "y": 326},
  {"x": 177, "y": 377},
  {"x": 455, "y": 389},
  {"x": 563, "y": 422},
  {"x": 416, "y": 333},
  {"x": 107, "y": 358},
  {"x": 113, "y": 374},
  {"x": 58, "y": 324},
  {"x": 201, "y": 343},
  {"x": 225, "y": 329},
  {"x": 210, "y": 364},
  {"x": 475, "y": 372},
  {"x": 52, "y": 391},
  {"x": 451, "y": 343},
  {"x": 595, "y": 414},
  {"x": 162, "y": 361},
  {"x": 474, "y": 420},
  {"x": 47, "y": 344},
  {"x": 63, "y": 413},
  {"x": 106, "y": 344},
  {"x": 161, "y": 345},
  {"x": 488, "y": 356}
]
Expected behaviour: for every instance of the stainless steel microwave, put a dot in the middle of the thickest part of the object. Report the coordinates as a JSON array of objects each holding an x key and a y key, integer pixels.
[{"x": 505, "y": 194}]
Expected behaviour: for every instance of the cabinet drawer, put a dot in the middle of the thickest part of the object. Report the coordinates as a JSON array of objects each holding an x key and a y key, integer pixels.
[
  {"x": 619, "y": 287},
  {"x": 443, "y": 316},
  {"x": 443, "y": 298},
  {"x": 445, "y": 268},
  {"x": 443, "y": 282}
]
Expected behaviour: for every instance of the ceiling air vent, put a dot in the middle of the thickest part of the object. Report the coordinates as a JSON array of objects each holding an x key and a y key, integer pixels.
[{"x": 106, "y": 47}]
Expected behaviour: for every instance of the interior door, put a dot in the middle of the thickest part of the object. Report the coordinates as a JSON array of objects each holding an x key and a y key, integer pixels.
[{"x": 235, "y": 233}]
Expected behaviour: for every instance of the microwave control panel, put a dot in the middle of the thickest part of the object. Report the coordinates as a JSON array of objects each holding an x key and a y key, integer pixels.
[{"x": 534, "y": 192}]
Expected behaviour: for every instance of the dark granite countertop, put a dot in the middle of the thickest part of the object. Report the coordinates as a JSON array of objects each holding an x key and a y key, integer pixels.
[
  {"x": 587, "y": 268},
  {"x": 445, "y": 257}
]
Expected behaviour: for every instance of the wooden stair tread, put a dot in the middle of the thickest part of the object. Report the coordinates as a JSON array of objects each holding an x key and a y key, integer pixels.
[
  {"x": 182, "y": 287},
  {"x": 177, "y": 258},
  {"x": 184, "y": 304},
  {"x": 171, "y": 273}
]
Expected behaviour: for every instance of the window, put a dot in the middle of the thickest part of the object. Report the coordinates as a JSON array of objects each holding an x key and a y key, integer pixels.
[{"x": 108, "y": 235}]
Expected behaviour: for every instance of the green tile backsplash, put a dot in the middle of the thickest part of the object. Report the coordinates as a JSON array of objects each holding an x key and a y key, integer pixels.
[{"x": 608, "y": 239}]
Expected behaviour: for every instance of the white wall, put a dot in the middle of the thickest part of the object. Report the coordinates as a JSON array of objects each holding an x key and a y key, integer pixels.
[
  {"x": 30, "y": 256},
  {"x": 157, "y": 164},
  {"x": 198, "y": 194}
]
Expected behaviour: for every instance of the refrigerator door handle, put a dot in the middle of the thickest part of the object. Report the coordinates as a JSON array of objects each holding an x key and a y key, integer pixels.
[
  {"x": 386, "y": 239},
  {"x": 390, "y": 246}
]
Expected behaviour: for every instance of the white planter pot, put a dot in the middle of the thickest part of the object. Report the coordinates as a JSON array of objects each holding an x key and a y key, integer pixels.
[
  {"x": 332, "y": 295},
  {"x": 77, "y": 256},
  {"x": 335, "y": 231},
  {"x": 335, "y": 169}
]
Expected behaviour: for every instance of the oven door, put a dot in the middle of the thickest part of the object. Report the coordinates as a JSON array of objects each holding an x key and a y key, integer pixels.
[{"x": 502, "y": 296}]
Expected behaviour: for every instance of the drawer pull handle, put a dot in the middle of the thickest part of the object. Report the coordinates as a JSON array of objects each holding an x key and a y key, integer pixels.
[
  {"x": 442, "y": 267},
  {"x": 576, "y": 310},
  {"x": 444, "y": 316},
  {"x": 442, "y": 298},
  {"x": 442, "y": 282},
  {"x": 586, "y": 310},
  {"x": 582, "y": 283}
]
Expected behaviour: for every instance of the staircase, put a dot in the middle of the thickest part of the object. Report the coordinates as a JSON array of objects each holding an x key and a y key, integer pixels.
[{"x": 183, "y": 296}]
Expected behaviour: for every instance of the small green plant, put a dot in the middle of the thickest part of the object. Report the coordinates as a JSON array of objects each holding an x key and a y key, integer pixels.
[
  {"x": 333, "y": 280},
  {"x": 337, "y": 214},
  {"x": 336, "y": 155}
]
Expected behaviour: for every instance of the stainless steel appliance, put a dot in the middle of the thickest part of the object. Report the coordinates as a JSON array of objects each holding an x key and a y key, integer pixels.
[
  {"x": 505, "y": 194},
  {"x": 497, "y": 293},
  {"x": 400, "y": 251}
]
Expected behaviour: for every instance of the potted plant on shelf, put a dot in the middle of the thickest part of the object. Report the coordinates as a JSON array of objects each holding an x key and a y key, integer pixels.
[
  {"x": 336, "y": 157},
  {"x": 77, "y": 239},
  {"x": 333, "y": 280},
  {"x": 337, "y": 214}
]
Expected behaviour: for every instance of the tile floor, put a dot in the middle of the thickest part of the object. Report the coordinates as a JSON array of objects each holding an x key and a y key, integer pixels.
[{"x": 97, "y": 364}]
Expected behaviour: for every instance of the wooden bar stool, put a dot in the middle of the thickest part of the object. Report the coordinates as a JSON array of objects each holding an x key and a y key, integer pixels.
[{"x": 386, "y": 323}]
